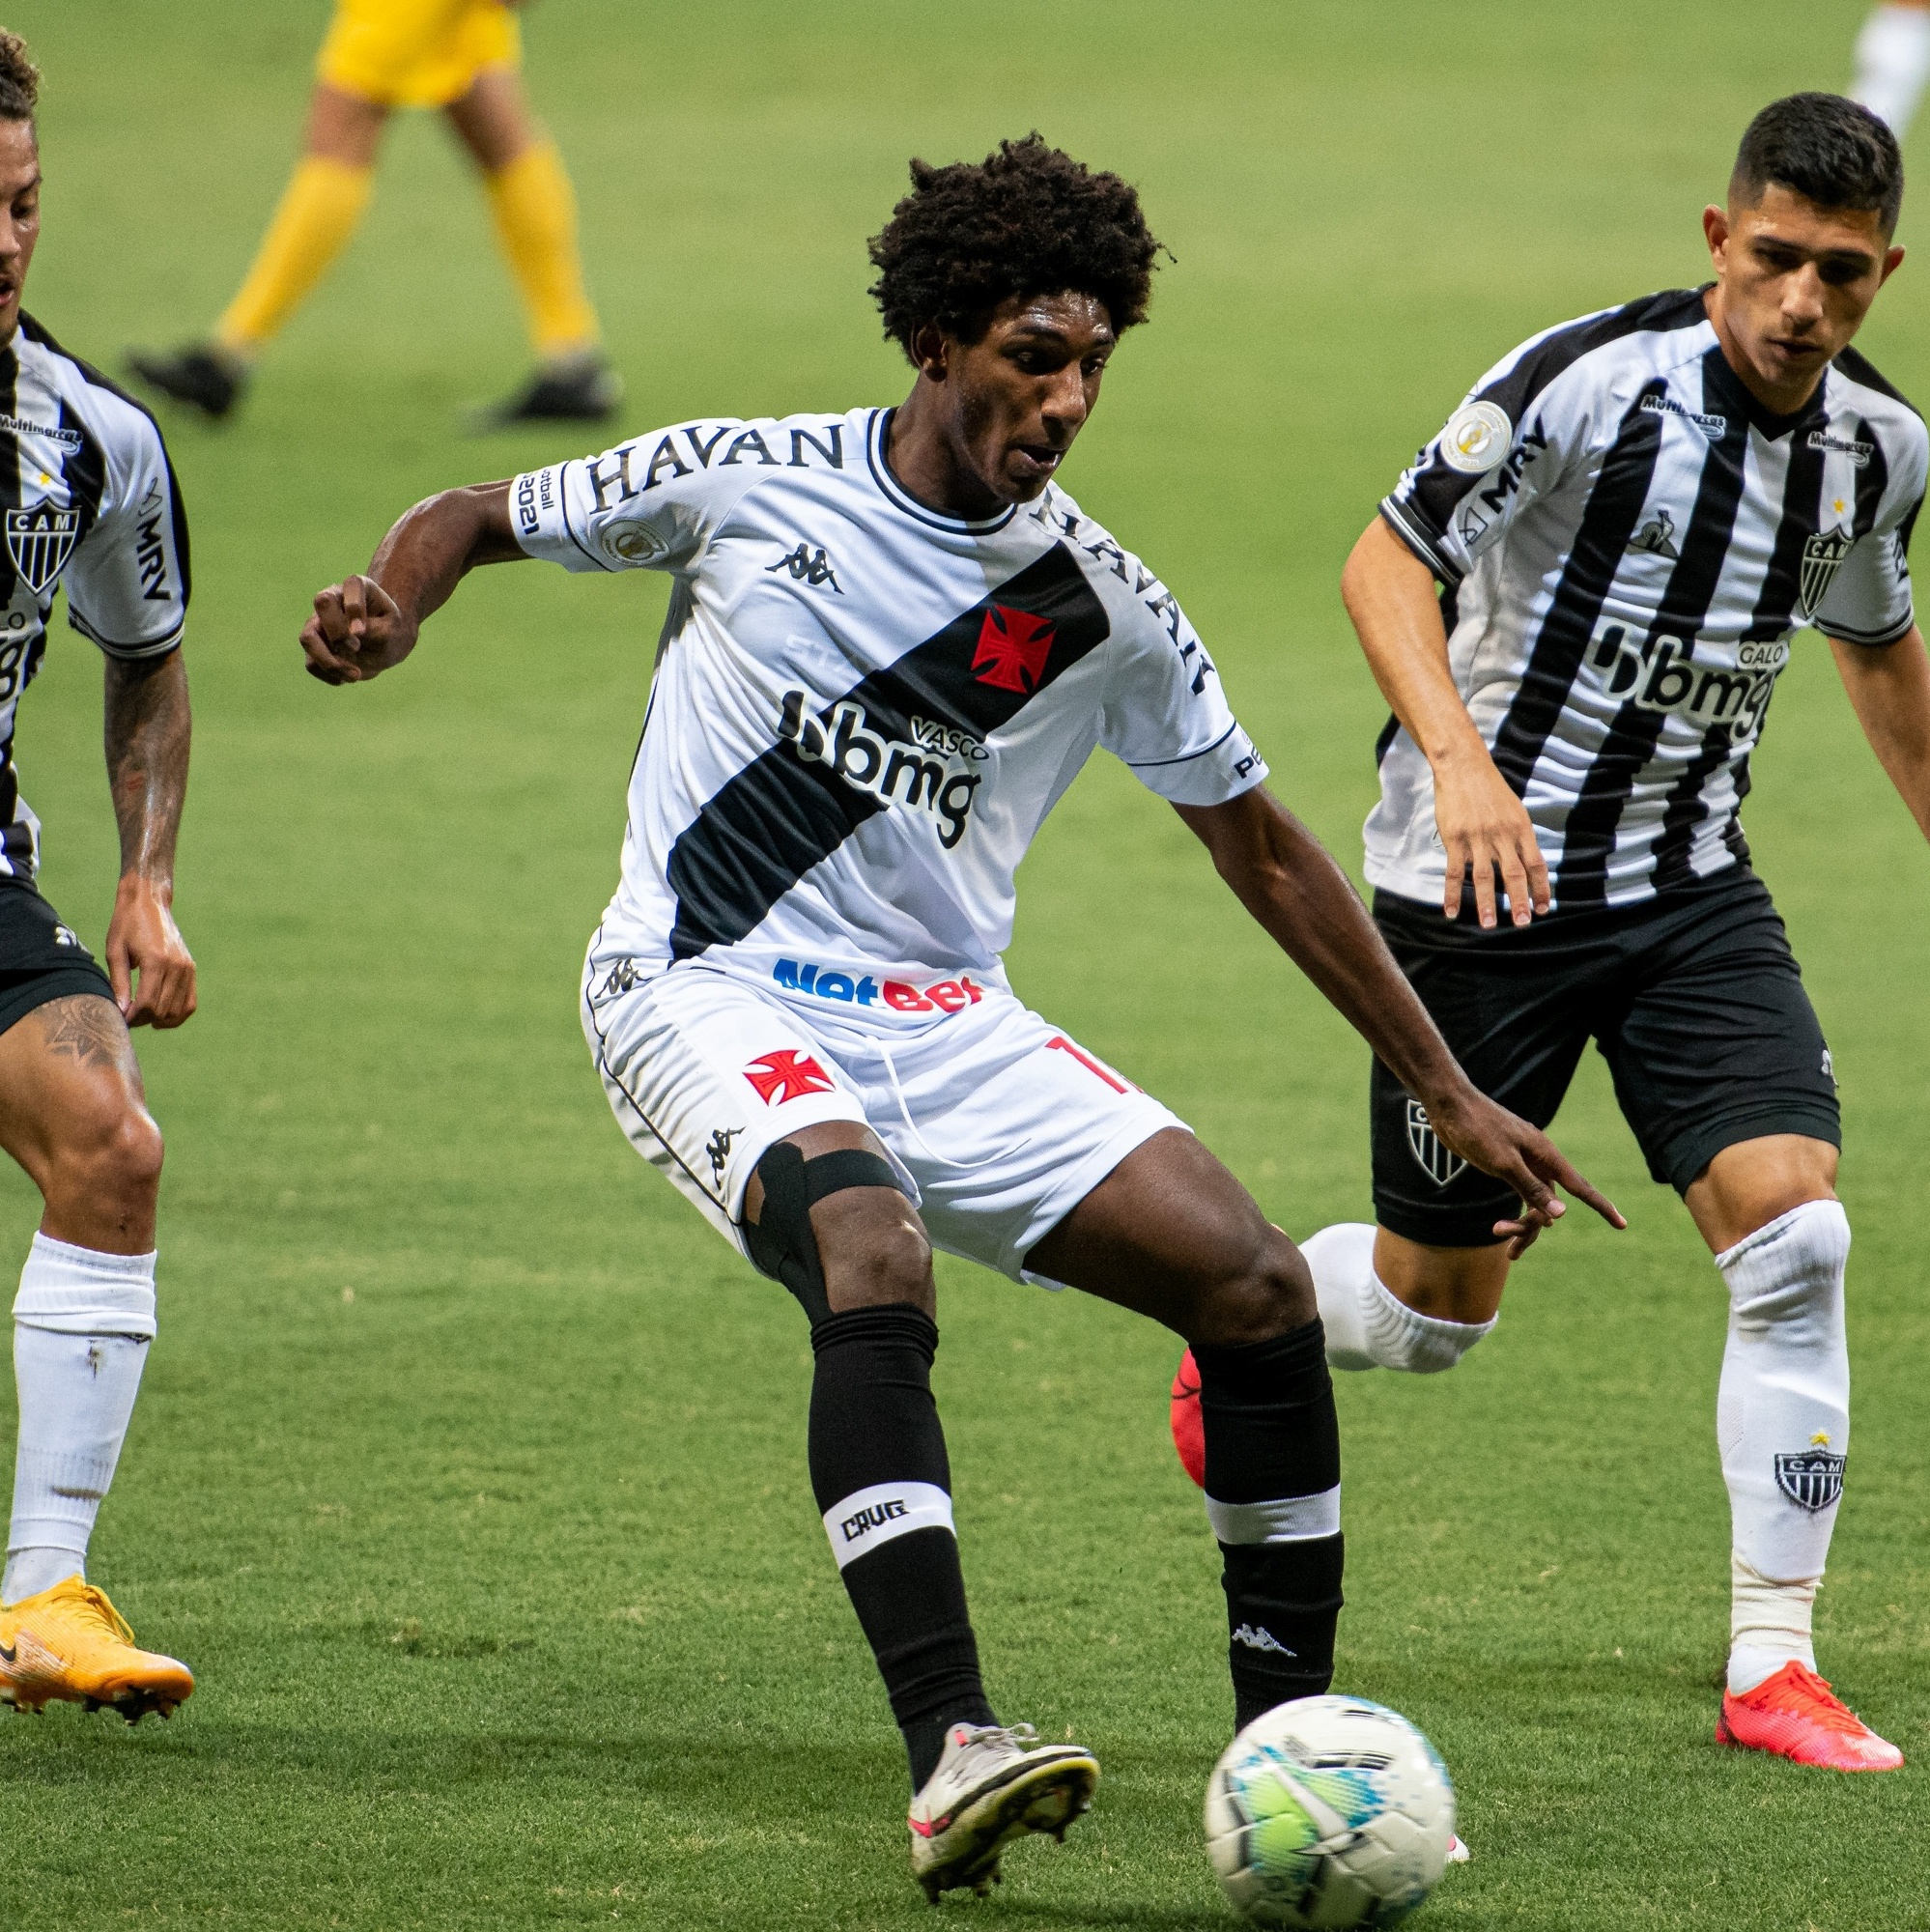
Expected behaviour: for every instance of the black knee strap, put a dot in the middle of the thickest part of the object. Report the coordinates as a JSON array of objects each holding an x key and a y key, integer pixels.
[{"x": 781, "y": 1242}]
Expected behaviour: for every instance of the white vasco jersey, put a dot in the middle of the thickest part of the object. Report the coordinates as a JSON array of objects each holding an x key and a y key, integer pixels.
[
  {"x": 862, "y": 709},
  {"x": 88, "y": 499},
  {"x": 1629, "y": 541}
]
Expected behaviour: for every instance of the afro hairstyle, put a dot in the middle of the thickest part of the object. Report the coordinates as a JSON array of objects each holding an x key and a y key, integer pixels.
[{"x": 1028, "y": 220}]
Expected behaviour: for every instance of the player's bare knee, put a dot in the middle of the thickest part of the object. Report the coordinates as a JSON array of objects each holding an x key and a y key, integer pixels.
[
  {"x": 1270, "y": 1294},
  {"x": 119, "y": 1163},
  {"x": 888, "y": 1266}
]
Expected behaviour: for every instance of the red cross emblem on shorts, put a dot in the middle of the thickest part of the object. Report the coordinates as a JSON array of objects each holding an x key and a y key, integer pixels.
[
  {"x": 1012, "y": 648},
  {"x": 785, "y": 1075}
]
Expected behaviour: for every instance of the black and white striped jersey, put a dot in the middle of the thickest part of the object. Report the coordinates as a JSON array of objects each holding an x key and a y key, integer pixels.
[
  {"x": 88, "y": 499},
  {"x": 1629, "y": 541}
]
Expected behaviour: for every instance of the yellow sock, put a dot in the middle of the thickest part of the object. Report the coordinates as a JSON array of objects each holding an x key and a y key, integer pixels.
[
  {"x": 318, "y": 213},
  {"x": 536, "y": 210}
]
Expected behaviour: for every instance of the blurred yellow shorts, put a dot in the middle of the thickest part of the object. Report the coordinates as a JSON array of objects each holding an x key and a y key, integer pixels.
[{"x": 416, "y": 53}]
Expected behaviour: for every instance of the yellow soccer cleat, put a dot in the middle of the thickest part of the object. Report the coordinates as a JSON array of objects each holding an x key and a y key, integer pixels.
[{"x": 71, "y": 1642}]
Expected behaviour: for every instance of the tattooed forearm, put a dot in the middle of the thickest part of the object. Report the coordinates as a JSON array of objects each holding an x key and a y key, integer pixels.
[
  {"x": 86, "y": 1028},
  {"x": 148, "y": 728}
]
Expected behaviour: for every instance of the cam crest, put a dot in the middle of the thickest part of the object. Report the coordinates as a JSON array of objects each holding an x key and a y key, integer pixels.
[
  {"x": 1822, "y": 556},
  {"x": 40, "y": 542},
  {"x": 1436, "y": 1159},
  {"x": 1812, "y": 1479}
]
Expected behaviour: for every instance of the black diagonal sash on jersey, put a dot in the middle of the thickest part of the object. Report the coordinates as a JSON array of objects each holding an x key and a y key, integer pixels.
[
  {"x": 1607, "y": 522},
  {"x": 1588, "y": 838},
  {"x": 780, "y": 815}
]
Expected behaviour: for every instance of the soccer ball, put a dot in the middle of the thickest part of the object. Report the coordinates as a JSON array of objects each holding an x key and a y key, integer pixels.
[{"x": 1330, "y": 1812}]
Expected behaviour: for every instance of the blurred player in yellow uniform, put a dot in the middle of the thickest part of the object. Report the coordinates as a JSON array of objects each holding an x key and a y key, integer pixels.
[{"x": 463, "y": 58}]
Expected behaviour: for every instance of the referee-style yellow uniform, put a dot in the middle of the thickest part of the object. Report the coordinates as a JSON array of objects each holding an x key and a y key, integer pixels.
[
  {"x": 416, "y": 53},
  {"x": 420, "y": 53}
]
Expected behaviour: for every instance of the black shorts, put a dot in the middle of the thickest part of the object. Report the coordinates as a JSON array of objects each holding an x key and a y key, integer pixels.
[
  {"x": 1693, "y": 999},
  {"x": 40, "y": 959}
]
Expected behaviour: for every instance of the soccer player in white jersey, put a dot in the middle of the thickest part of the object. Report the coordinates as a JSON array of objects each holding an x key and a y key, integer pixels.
[
  {"x": 87, "y": 498},
  {"x": 1632, "y": 516},
  {"x": 892, "y": 641}
]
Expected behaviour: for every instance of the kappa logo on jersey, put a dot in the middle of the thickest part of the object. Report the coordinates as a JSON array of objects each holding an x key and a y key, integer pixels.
[
  {"x": 1812, "y": 1479},
  {"x": 1012, "y": 648},
  {"x": 826, "y": 983},
  {"x": 1662, "y": 675},
  {"x": 916, "y": 775},
  {"x": 787, "y": 1075},
  {"x": 40, "y": 542},
  {"x": 1822, "y": 556},
  {"x": 1657, "y": 537},
  {"x": 806, "y": 567},
  {"x": 1434, "y": 1157}
]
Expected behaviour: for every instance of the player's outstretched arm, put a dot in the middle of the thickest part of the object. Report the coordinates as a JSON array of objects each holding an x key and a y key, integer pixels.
[
  {"x": 148, "y": 726},
  {"x": 1289, "y": 883},
  {"x": 1890, "y": 691},
  {"x": 365, "y": 625},
  {"x": 1390, "y": 595}
]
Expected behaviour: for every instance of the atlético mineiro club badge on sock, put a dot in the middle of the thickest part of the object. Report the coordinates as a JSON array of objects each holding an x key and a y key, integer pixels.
[
  {"x": 1812, "y": 1479},
  {"x": 1438, "y": 1161}
]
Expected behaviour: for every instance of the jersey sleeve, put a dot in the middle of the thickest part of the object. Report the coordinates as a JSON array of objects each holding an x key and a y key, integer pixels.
[
  {"x": 651, "y": 503},
  {"x": 1166, "y": 717},
  {"x": 1509, "y": 440},
  {"x": 128, "y": 582},
  {"x": 1869, "y": 600}
]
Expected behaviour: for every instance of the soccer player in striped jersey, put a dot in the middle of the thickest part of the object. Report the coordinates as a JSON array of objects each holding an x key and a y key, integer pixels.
[
  {"x": 88, "y": 501},
  {"x": 892, "y": 641},
  {"x": 1631, "y": 517}
]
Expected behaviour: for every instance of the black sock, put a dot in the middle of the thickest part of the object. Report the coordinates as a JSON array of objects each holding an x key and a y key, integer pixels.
[
  {"x": 874, "y": 1431},
  {"x": 1272, "y": 1439}
]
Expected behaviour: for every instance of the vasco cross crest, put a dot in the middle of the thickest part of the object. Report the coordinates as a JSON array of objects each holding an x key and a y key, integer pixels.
[
  {"x": 40, "y": 542},
  {"x": 1437, "y": 1160},
  {"x": 1822, "y": 556}
]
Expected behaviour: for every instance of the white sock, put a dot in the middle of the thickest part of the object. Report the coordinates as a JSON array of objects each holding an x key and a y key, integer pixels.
[
  {"x": 82, "y": 1321},
  {"x": 1894, "y": 64},
  {"x": 1367, "y": 1325},
  {"x": 1782, "y": 1422}
]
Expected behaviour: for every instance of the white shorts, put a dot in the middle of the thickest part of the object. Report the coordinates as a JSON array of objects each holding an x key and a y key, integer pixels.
[{"x": 997, "y": 1123}]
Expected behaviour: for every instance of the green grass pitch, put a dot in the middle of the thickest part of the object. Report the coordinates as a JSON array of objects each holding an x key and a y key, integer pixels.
[{"x": 469, "y": 1472}]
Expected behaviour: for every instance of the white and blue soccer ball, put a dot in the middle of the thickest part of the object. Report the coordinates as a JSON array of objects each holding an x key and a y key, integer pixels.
[{"x": 1330, "y": 1812}]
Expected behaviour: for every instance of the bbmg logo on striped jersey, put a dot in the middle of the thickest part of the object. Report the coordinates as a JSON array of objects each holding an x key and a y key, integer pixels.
[{"x": 1665, "y": 675}]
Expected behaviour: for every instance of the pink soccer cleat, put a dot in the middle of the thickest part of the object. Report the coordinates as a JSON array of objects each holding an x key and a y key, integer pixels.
[
  {"x": 1189, "y": 1427},
  {"x": 1795, "y": 1714}
]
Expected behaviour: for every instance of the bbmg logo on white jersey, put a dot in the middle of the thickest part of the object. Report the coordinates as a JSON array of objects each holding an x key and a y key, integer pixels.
[
  {"x": 1663, "y": 674},
  {"x": 931, "y": 772}
]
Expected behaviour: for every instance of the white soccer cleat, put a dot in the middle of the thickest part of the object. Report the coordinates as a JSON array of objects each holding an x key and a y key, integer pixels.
[
  {"x": 1458, "y": 1852},
  {"x": 992, "y": 1784}
]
